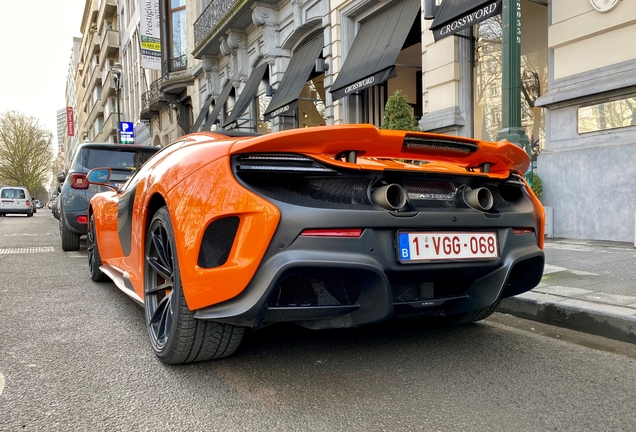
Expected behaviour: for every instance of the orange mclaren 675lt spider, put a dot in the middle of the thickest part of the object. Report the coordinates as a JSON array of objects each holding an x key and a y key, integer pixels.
[{"x": 326, "y": 227}]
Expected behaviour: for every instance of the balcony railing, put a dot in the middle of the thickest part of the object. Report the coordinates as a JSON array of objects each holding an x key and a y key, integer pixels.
[
  {"x": 151, "y": 95},
  {"x": 210, "y": 17},
  {"x": 173, "y": 65}
]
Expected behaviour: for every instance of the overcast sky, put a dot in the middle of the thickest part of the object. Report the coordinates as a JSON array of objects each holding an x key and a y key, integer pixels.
[{"x": 37, "y": 40}]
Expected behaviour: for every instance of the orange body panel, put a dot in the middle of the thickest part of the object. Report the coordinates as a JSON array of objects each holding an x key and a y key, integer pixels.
[
  {"x": 541, "y": 216},
  {"x": 104, "y": 207},
  {"x": 196, "y": 192},
  {"x": 202, "y": 198}
]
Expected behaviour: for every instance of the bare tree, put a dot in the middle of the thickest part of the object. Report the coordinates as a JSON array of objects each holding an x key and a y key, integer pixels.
[{"x": 25, "y": 151}]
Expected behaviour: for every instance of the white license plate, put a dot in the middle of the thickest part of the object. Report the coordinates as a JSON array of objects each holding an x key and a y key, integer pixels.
[{"x": 435, "y": 246}]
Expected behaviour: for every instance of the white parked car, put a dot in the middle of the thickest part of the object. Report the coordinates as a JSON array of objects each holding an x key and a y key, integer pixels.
[{"x": 15, "y": 200}]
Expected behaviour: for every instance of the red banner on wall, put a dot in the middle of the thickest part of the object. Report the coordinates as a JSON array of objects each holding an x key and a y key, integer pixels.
[{"x": 70, "y": 121}]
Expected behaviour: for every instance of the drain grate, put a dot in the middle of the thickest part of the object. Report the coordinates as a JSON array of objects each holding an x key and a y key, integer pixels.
[{"x": 13, "y": 251}]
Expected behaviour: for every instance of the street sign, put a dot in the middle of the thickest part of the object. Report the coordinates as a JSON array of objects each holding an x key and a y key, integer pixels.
[{"x": 127, "y": 132}]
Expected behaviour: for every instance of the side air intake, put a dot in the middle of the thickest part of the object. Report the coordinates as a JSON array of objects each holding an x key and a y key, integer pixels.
[{"x": 217, "y": 242}]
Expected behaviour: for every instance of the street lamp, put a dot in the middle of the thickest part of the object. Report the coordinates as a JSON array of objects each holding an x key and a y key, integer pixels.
[{"x": 116, "y": 76}]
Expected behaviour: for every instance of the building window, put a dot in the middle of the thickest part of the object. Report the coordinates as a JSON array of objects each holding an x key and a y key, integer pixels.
[
  {"x": 488, "y": 73},
  {"x": 178, "y": 35},
  {"x": 607, "y": 115},
  {"x": 262, "y": 102},
  {"x": 311, "y": 103}
]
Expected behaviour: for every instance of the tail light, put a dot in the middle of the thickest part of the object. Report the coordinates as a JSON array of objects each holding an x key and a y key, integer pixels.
[
  {"x": 521, "y": 231},
  {"x": 83, "y": 219},
  {"x": 356, "y": 232},
  {"x": 28, "y": 203},
  {"x": 79, "y": 181}
]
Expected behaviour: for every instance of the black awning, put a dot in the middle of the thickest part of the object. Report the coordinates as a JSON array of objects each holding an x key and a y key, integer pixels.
[
  {"x": 248, "y": 93},
  {"x": 298, "y": 72},
  {"x": 375, "y": 49},
  {"x": 456, "y": 15},
  {"x": 205, "y": 109},
  {"x": 218, "y": 105}
]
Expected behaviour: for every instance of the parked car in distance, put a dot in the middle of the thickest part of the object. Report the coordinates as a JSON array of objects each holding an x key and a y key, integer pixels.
[
  {"x": 16, "y": 200},
  {"x": 54, "y": 208},
  {"x": 334, "y": 226},
  {"x": 75, "y": 192}
]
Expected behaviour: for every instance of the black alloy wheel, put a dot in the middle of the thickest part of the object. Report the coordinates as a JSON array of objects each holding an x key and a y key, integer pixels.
[
  {"x": 94, "y": 258},
  {"x": 175, "y": 335}
]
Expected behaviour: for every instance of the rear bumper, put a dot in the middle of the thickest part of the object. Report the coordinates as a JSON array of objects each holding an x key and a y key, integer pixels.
[
  {"x": 354, "y": 281},
  {"x": 70, "y": 219},
  {"x": 26, "y": 210}
]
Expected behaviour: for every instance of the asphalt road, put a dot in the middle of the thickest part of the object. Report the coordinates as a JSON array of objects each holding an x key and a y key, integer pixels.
[{"x": 75, "y": 356}]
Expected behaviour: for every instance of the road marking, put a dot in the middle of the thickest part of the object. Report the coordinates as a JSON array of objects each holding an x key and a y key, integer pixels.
[
  {"x": 547, "y": 269},
  {"x": 1, "y": 383},
  {"x": 76, "y": 255},
  {"x": 13, "y": 251}
]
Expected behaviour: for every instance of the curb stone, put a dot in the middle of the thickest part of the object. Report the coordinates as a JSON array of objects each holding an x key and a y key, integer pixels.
[{"x": 612, "y": 322}]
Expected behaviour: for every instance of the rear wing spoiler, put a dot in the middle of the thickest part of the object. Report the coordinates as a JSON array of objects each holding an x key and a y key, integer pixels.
[{"x": 347, "y": 142}]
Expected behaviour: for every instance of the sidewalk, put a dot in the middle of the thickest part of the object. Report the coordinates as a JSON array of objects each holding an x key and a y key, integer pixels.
[{"x": 588, "y": 286}]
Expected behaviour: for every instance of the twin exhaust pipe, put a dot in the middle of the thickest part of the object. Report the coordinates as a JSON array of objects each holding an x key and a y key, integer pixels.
[
  {"x": 393, "y": 197},
  {"x": 479, "y": 199},
  {"x": 390, "y": 197}
]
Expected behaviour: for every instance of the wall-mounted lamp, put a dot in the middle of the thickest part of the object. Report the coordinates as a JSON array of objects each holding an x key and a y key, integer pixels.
[
  {"x": 321, "y": 65},
  {"x": 430, "y": 8},
  {"x": 269, "y": 90}
]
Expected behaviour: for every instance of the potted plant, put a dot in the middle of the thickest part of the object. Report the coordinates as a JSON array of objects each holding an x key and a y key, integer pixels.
[{"x": 398, "y": 114}]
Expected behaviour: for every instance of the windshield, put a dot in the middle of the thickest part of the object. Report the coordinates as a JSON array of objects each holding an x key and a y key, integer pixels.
[{"x": 119, "y": 160}]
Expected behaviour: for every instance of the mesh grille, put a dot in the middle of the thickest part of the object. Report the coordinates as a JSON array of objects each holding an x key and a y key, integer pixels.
[
  {"x": 412, "y": 292},
  {"x": 298, "y": 291},
  {"x": 318, "y": 192},
  {"x": 418, "y": 291},
  {"x": 430, "y": 194}
]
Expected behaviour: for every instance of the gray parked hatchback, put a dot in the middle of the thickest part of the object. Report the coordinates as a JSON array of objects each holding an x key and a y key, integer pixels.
[{"x": 75, "y": 193}]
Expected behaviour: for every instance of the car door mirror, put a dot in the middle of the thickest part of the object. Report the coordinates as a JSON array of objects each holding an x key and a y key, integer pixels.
[
  {"x": 61, "y": 176},
  {"x": 99, "y": 176}
]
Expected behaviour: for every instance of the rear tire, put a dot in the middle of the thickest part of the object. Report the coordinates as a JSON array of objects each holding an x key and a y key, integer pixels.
[
  {"x": 94, "y": 258},
  {"x": 29, "y": 214},
  {"x": 70, "y": 240},
  {"x": 175, "y": 334}
]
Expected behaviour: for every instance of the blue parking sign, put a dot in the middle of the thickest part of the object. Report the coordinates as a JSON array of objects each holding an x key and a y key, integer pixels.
[{"x": 127, "y": 132}]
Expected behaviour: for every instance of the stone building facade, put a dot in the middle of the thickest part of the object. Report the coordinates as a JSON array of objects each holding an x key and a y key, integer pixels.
[{"x": 272, "y": 65}]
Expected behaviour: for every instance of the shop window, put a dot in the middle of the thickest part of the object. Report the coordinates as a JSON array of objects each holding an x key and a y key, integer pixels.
[
  {"x": 311, "y": 103},
  {"x": 262, "y": 102},
  {"x": 608, "y": 115},
  {"x": 488, "y": 73}
]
